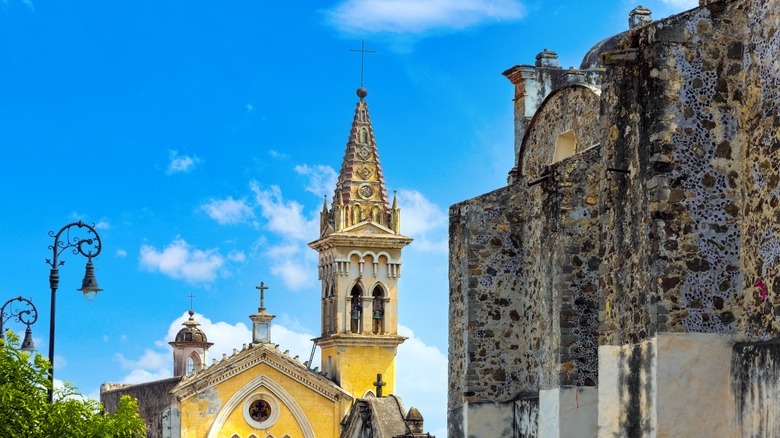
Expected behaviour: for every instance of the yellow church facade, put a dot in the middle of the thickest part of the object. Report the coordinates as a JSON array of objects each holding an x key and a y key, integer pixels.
[{"x": 262, "y": 392}]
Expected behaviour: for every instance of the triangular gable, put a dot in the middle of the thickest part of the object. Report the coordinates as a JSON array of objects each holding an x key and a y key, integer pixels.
[
  {"x": 368, "y": 227},
  {"x": 252, "y": 357}
]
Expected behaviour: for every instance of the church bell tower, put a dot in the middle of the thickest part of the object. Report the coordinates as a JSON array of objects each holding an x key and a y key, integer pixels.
[{"x": 359, "y": 265}]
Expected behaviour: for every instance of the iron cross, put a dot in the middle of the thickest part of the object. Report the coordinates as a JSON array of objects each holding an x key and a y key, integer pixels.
[
  {"x": 262, "y": 288},
  {"x": 191, "y": 296},
  {"x": 363, "y": 52}
]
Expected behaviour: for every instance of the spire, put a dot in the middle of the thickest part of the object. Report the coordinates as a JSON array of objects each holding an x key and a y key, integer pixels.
[
  {"x": 361, "y": 186},
  {"x": 395, "y": 215}
]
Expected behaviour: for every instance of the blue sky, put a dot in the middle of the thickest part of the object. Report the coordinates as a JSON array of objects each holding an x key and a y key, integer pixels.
[{"x": 200, "y": 137}]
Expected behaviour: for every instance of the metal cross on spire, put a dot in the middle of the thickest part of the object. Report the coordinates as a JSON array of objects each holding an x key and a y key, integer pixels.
[
  {"x": 262, "y": 288},
  {"x": 191, "y": 296},
  {"x": 363, "y": 52}
]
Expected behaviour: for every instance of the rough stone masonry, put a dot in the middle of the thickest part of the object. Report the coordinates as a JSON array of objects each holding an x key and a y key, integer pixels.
[{"x": 629, "y": 270}]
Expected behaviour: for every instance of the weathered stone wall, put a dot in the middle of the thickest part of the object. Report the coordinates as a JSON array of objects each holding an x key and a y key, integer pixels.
[
  {"x": 697, "y": 139},
  {"x": 499, "y": 314},
  {"x": 574, "y": 245},
  {"x": 669, "y": 229},
  {"x": 760, "y": 124},
  {"x": 153, "y": 398}
]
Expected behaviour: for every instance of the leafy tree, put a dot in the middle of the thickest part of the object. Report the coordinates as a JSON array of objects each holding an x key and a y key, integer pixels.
[{"x": 26, "y": 412}]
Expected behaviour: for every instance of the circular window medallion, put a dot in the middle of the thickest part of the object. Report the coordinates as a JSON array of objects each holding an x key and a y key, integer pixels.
[
  {"x": 261, "y": 410},
  {"x": 365, "y": 191}
]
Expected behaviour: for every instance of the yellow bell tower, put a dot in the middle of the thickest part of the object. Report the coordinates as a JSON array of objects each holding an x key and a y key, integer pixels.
[{"x": 359, "y": 265}]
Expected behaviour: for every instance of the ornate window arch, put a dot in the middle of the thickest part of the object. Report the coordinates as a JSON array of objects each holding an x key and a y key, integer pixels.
[{"x": 194, "y": 363}]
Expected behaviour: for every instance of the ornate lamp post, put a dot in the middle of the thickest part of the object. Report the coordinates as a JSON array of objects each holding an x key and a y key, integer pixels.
[
  {"x": 89, "y": 248},
  {"x": 25, "y": 316}
]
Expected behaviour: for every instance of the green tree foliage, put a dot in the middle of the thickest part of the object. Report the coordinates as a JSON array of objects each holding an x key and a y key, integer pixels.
[{"x": 25, "y": 410}]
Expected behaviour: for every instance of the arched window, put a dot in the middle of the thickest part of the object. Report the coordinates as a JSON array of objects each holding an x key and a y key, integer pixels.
[
  {"x": 193, "y": 363},
  {"x": 565, "y": 146},
  {"x": 379, "y": 310},
  {"x": 356, "y": 311},
  {"x": 376, "y": 215},
  {"x": 357, "y": 214},
  {"x": 363, "y": 135}
]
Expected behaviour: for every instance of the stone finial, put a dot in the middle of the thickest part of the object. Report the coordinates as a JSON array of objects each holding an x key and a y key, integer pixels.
[
  {"x": 414, "y": 420},
  {"x": 547, "y": 58},
  {"x": 639, "y": 16}
]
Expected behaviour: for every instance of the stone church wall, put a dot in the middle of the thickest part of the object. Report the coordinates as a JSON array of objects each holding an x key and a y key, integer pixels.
[
  {"x": 637, "y": 263},
  {"x": 695, "y": 124}
]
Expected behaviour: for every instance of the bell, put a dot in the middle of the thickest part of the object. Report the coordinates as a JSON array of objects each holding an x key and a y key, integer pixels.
[
  {"x": 89, "y": 286},
  {"x": 28, "y": 345}
]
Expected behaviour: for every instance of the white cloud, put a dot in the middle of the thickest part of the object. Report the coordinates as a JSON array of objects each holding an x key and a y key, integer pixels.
[
  {"x": 291, "y": 260},
  {"x": 277, "y": 154},
  {"x": 228, "y": 211},
  {"x": 414, "y": 16},
  {"x": 102, "y": 225},
  {"x": 154, "y": 365},
  {"x": 236, "y": 256},
  {"x": 150, "y": 359},
  {"x": 424, "y": 221},
  {"x": 322, "y": 179},
  {"x": 181, "y": 163},
  {"x": 284, "y": 217},
  {"x": 141, "y": 376},
  {"x": 121, "y": 253},
  {"x": 421, "y": 379},
  {"x": 181, "y": 260}
]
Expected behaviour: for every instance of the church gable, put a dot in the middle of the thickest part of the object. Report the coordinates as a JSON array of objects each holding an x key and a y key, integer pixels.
[
  {"x": 368, "y": 228},
  {"x": 259, "y": 388}
]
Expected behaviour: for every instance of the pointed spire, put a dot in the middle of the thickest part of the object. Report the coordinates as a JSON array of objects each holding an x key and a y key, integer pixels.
[
  {"x": 361, "y": 186},
  {"x": 324, "y": 216},
  {"x": 395, "y": 215}
]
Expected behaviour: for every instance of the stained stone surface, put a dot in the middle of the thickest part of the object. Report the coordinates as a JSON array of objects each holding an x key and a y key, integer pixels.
[{"x": 664, "y": 221}]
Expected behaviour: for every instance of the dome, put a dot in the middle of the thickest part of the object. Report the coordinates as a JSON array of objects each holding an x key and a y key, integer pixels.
[
  {"x": 592, "y": 59},
  {"x": 191, "y": 332}
]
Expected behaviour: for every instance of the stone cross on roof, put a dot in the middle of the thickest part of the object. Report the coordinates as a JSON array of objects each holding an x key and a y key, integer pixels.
[
  {"x": 262, "y": 288},
  {"x": 379, "y": 384}
]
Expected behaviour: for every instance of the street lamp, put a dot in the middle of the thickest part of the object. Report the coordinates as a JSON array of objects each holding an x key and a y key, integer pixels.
[
  {"x": 25, "y": 316},
  {"x": 89, "y": 285}
]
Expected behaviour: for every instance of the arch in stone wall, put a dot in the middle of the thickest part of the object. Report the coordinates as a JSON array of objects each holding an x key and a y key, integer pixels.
[{"x": 566, "y": 123}]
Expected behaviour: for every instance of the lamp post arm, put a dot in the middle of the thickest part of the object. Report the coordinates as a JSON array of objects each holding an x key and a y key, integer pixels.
[
  {"x": 76, "y": 243},
  {"x": 92, "y": 249},
  {"x": 25, "y": 316}
]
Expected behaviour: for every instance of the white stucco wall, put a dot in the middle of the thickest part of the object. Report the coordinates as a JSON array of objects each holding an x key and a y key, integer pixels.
[
  {"x": 695, "y": 397},
  {"x": 683, "y": 382},
  {"x": 568, "y": 412}
]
